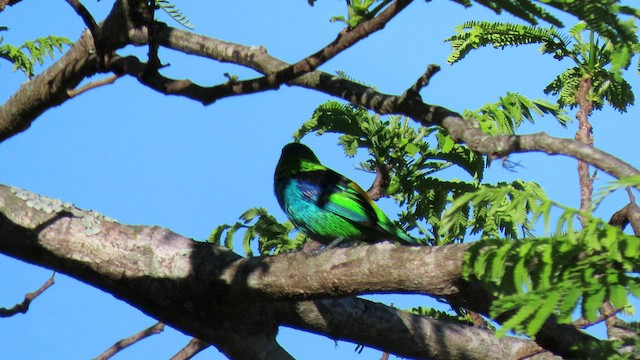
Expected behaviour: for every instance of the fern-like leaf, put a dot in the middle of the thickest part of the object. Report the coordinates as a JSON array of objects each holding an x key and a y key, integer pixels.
[
  {"x": 473, "y": 35},
  {"x": 272, "y": 236},
  {"x": 175, "y": 13},
  {"x": 25, "y": 56},
  {"x": 511, "y": 110}
]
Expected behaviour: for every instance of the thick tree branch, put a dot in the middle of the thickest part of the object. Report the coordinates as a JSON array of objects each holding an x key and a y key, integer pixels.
[
  {"x": 221, "y": 298},
  {"x": 358, "y": 320},
  {"x": 23, "y": 307},
  {"x": 151, "y": 268}
]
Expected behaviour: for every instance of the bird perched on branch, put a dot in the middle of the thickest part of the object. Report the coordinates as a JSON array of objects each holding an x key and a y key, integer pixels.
[{"x": 327, "y": 206}]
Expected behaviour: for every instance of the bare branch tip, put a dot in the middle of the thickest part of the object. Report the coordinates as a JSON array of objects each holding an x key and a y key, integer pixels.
[
  {"x": 92, "y": 85},
  {"x": 424, "y": 80},
  {"x": 124, "y": 343},
  {"x": 190, "y": 350},
  {"x": 632, "y": 198},
  {"x": 23, "y": 307}
]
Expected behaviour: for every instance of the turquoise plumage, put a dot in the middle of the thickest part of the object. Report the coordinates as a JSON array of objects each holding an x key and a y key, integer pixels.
[{"x": 327, "y": 206}]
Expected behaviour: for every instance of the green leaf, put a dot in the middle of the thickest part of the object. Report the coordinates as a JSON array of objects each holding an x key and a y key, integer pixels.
[
  {"x": 520, "y": 317},
  {"x": 569, "y": 304},
  {"x": 246, "y": 241},
  {"x": 591, "y": 303},
  {"x": 521, "y": 279},
  {"x": 634, "y": 287},
  {"x": 618, "y": 296},
  {"x": 216, "y": 234},
  {"x": 542, "y": 314},
  {"x": 175, "y": 13},
  {"x": 38, "y": 50},
  {"x": 498, "y": 262},
  {"x": 228, "y": 239}
]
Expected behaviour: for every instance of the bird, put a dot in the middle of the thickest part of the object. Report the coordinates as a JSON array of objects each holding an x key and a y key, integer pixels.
[{"x": 327, "y": 206}]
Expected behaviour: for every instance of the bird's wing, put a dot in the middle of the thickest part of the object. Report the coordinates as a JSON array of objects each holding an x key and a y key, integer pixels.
[
  {"x": 335, "y": 193},
  {"x": 351, "y": 202},
  {"x": 339, "y": 195}
]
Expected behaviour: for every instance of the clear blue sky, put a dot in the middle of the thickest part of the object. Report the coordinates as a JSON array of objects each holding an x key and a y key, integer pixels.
[{"x": 144, "y": 158}]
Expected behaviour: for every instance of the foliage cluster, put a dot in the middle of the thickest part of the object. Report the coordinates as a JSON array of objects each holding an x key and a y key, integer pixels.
[
  {"x": 552, "y": 274},
  {"x": 597, "y": 59},
  {"x": 25, "y": 56}
]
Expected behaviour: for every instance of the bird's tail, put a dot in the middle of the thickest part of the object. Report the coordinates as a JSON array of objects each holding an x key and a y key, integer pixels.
[{"x": 404, "y": 238}]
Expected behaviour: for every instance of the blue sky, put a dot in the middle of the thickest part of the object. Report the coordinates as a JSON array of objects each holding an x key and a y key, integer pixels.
[{"x": 144, "y": 158}]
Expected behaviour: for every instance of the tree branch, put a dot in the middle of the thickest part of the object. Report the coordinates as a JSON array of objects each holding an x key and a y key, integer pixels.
[
  {"x": 629, "y": 214},
  {"x": 92, "y": 85},
  {"x": 271, "y": 81},
  {"x": 461, "y": 130},
  {"x": 23, "y": 307},
  {"x": 358, "y": 320},
  {"x": 194, "y": 346},
  {"x": 47, "y": 89},
  {"x": 124, "y": 343},
  {"x": 502, "y": 145},
  {"x": 584, "y": 135},
  {"x": 88, "y": 19},
  {"x": 236, "y": 293},
  {"x": 50, "y": 89},
  {"x": 4, "y": 3},
  {"x": 215, "y": 295},
  {"x": 376, "y": 191}
]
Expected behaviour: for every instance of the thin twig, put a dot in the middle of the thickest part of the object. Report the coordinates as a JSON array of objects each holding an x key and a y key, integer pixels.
[
  {"x": 28, "y": 298},
  {"x": 477, "y": 319},
  {"x": 88, "y": 19},
  {"x": 412, "y": 94},
  {"x": 157, "y": 328},
  {"x": 191, "y": 349},
  {"x": 584, "y": 323},
  {"x": 423, "y": 80},
  {"x": 92, "y": 85},
  {"x": 632, "y": 198}
]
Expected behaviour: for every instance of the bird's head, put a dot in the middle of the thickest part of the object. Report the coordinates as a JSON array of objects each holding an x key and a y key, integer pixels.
[
  {"x": 295, "y": 158},
  {"x": 299, "y": 151}
]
